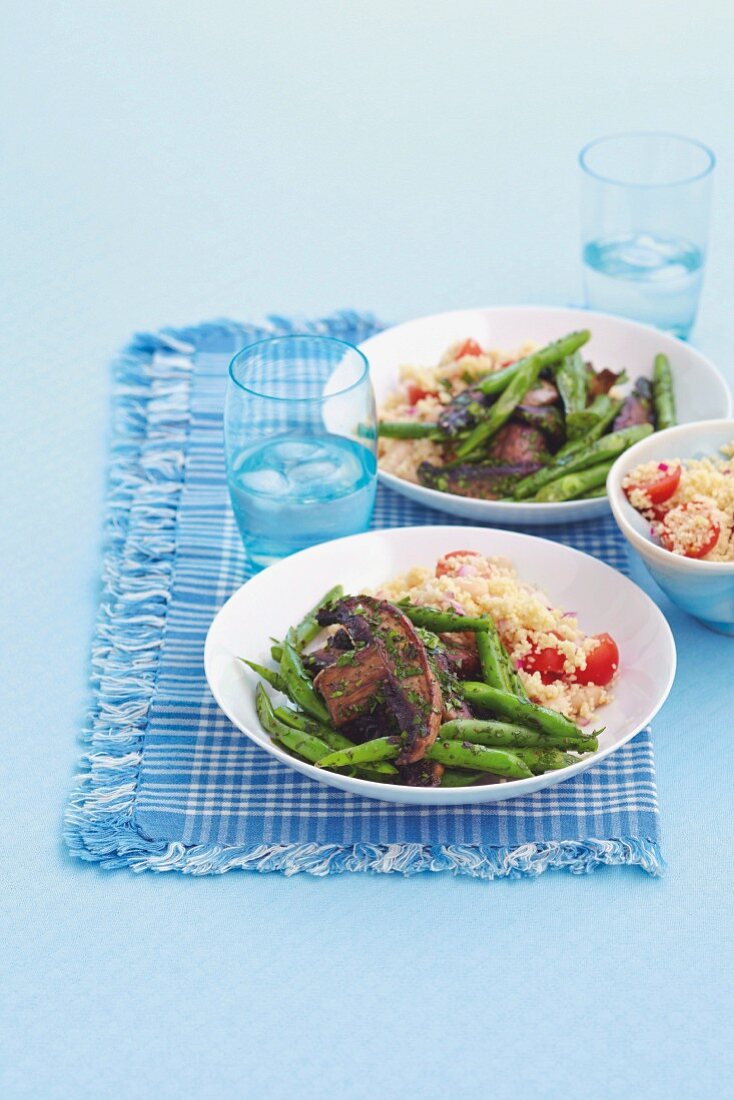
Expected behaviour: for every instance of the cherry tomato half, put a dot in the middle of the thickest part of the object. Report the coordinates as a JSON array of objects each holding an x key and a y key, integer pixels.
[
  {"x": 658, "y": 488},
  {"x": 469, "y": 347},
  {"x": 548, "y": 662},
  {"x": 601, "y": 663},
  {"x": 703, "y": 531},
  {"x": 444, "y": 566},
  {"x": 417, "y": 393}
]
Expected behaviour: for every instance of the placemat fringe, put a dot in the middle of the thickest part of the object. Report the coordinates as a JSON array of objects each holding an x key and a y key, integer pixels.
[
  {"x": 150, "y": 429},
  {"x": 524, "y": 861}
]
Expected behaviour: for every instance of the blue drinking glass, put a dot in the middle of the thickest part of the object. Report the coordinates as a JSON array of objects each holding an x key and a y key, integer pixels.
[
  {"x": 645, "y": 217},
  {"x": 300, "y": 434}
]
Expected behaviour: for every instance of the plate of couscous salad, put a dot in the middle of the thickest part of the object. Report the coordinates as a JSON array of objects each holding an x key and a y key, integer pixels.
[
  {"x": 440, "y": 665},
  {"x": 516, "y": 414}
]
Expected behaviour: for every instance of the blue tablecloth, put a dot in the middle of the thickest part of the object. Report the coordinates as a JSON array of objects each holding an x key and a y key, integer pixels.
[{"x": 169, "y": 162}]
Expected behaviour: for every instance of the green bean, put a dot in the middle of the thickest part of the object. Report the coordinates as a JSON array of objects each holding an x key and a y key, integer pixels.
[
  {"x": 498, "y": 667},
  {"x": 305, "y": 744},
  {"x": 605, "y": 449},
  {"x": 663, "y": 394},
  {"x": 381, "y": 748},
  {"x": 442, "y": 622},
  {"x": 494, "y": 670},
  {"x": 571, "y": 486},
  {"x": 462, "y": 754},
  {"x": 509, "y": 675},
  {"x": 379, "y": 771},
  {"x": 545, "y": 760},
  {"x": 552, "y": 353},
  {"x": 517, "y": 687},
  {"x": 591, "y": 436},
  {"x": 496, "y": 658},
  {"x": 269, "y": 675},
  {"x": 308, "y": 627},
  {"x": 409, "y": 429},
  {"x": 580, "y": 423},
  {"x": 298, "y": 721},
  {"x": 298, "y": 686},
  {"x": 376, "y": 768},
  {"x": 572, "y": 382},
  {"x": 594, "y": 494},
  {"x": 512, "y": 736},
  {"x": 376, "y": 773},
  {"x": 525, "y": 377},
  {"x": 297, "y": 756},
  {"x": 454, "y": 777},
  {"x": 333, "y": 738},
  {"x": 517, "y": 710},
  {"x": 298, "y": 736}
]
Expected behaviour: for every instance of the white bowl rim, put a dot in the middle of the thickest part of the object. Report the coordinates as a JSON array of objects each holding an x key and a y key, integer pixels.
[
  {"x": 619, "y": 503},
  {"x": 535, "y": 307},
  {"x": 540, "y": 508}
]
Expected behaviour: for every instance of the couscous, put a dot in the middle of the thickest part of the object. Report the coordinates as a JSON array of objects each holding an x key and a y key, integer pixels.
[
  {"x": 560, "y": 666},
  {"x": 688, "y": 503},
  {"x": 423, "y": 393}
]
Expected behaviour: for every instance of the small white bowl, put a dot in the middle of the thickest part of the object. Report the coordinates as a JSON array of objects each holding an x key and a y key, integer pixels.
[{"x": 705, "y": 589}]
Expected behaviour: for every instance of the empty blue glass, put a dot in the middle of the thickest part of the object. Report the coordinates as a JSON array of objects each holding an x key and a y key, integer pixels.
[
  {"x": 645, "y": 218},
  {"x": 300, "y": 433}
]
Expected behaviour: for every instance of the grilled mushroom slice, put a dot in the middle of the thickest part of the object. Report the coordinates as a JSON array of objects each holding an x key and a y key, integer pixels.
[
  {"x": 452, "y": 655},
  {"x": 637, "y": 408},
  {"x": 462, "y": 655},
  {"x": 327, "y": 654},
  {"x": 424, "y": 773},
  {"x": 376, "y": 723},
  {"x": 548, "y": 419},
  {"x": 518, "y": 443},
  {"x": 351, "y": 684},
  {"x": 464, "y": 411},
  {"x": 409, "y": 689},
  {"x": 601, "y": 381},
  {"x": 543, "y": 393}
]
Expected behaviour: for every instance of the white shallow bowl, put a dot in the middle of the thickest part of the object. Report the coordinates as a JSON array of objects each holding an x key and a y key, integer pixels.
[
  {"x": 604, "y": 600},
  {"x": 704, "y": 589},
  {"x": 701, "y": 393}
]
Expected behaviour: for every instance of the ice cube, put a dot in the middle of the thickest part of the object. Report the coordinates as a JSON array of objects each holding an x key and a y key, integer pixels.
[
  {"x": 290, "y": 451},
  {"x": 315, "y": 472},
  {"x": 269, "y": 482}
]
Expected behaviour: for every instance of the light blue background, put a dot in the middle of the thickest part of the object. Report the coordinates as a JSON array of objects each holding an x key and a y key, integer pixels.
[{"x": 167, "y": 162}]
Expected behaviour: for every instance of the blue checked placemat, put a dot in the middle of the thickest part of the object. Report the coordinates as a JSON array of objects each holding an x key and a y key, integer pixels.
[{"x": 169, "y": 783}]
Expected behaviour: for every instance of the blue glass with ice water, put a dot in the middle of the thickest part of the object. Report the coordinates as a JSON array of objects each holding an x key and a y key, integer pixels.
[
  {"x": 301, "y": 444},
  {"x": 645, "y": 216}
]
